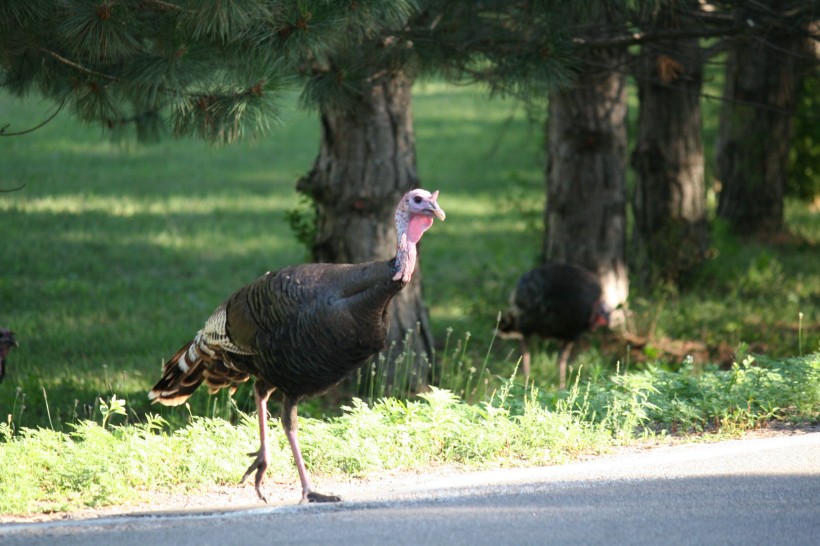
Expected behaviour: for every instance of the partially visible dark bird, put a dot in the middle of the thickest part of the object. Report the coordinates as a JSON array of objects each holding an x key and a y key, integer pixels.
[
  {"x": 301, "y": 330},
  {"x": 559, "y": 301},
  {"x": 7, "y": 341}
]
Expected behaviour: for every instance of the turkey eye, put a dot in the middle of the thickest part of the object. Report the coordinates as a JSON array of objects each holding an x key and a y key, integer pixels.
[{"x": 417, "y": 199}]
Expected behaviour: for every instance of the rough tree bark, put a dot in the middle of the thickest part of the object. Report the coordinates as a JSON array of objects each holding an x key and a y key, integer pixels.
[
  {"x": 366, "y": 162},
  {"x": 755, "y": 129},
  {"x": 671, "y": 232},
  {"x": 585, "y": 217}
]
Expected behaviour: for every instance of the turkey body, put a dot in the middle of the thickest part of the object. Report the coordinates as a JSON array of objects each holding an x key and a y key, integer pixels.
[
  {"x": 7, "y": 341},
  {"x": 300, "y": 330},
  {"x": 554, "y": 300}
]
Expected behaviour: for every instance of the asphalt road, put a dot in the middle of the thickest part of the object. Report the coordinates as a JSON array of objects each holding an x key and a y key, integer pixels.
[{"x": 751, "y": 491}]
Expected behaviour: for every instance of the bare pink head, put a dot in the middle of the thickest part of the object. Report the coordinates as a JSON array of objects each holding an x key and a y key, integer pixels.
[{"x": 414, "y": 216}]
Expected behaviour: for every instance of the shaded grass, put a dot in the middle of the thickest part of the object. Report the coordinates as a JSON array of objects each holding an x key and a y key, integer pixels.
[
  {"x": 116, "y": 253},
  {"x": 113, "y": 255}
]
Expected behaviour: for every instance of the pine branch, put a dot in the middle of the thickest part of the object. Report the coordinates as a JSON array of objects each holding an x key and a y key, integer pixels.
[
  {"x": 224, "y": 117},
  {"x": 641, "y": 38},
  {"x": 32, "y": 129},
  {"x": 166, "y": 5},
  {"x": 78, "y": 66}
]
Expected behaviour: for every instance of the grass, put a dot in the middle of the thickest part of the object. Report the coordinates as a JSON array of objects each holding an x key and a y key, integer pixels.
[
  {"x": 113, "y": 255},
  {"x": 100, "y": 463}
]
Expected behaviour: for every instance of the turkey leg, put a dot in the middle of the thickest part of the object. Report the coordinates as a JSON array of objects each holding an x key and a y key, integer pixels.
[
  {"x": 562, "y": 364},
  {"x": 261, "y": 393},
  {"x": 289, "y": 423},
  {"x": 525, "y": 356}
]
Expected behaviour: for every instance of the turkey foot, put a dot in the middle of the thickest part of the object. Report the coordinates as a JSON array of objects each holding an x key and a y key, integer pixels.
[
  {"x": 260, "y": 464},
  {"x": 318, "y": 497}
]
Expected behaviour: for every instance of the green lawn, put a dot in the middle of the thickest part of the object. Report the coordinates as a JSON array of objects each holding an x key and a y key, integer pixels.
[{"x": 113, "y": 255}]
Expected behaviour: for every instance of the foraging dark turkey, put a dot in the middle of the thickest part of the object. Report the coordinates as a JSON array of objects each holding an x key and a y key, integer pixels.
[
  {"x": 301, "y": 330},
  {"x": 7, "y": 341},
  {"x": 559, "y": 301}
]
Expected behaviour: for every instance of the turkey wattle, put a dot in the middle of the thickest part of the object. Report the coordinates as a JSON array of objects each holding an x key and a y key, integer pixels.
[{"x": 301, "y": 330}]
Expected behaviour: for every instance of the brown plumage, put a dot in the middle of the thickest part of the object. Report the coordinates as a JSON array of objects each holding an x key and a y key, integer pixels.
[
  {"x": 559, "y": 301},
  {"x": 301, "y": 330},
  {"x": 7, "y": 341}
]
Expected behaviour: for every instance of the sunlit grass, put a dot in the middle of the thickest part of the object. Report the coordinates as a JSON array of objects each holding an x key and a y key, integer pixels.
[
  {"x": 129, "y": 206},
  {"x": 114, "y": 254},
  {"x": 102, "y": 462},
  {"x": 119, "y": 251}
]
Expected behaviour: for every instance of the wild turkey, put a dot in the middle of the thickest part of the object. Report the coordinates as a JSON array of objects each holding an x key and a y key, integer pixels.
[
  {"x": 7, "y": 341},
  {"x": 559, "y": 301},
  {"x": 301, "y": 330}
]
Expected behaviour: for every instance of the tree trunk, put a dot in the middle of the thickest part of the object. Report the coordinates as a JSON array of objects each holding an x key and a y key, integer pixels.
[
  {"x": 669, "y": 203},
  {"x": 366, "y": 162},
  {"x": 755, "y": 128},
  {"x": 585, "y": 217}
]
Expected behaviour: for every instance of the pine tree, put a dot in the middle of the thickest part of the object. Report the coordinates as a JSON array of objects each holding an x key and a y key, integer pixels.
[
  {"x": 763, "y": 78},
  {"x": 670, "y": 230},
  {"x": 213, "y": 69},
  {"x": 210, "y": 69},
  {"x": 363, "y": 92},
  {"x": 669, "y": 200}
]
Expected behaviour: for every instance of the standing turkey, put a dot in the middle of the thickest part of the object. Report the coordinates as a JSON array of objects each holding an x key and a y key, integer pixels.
[
  {"x": 559, "y": 301},
  {"x": 301, "y": 330},
  {"x": 7, "y": 341}
]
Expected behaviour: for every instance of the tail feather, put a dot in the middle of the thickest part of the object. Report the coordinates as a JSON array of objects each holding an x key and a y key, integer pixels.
[
  {"x": 181, "y": 376},
  {"x": 196, "y": 362}
]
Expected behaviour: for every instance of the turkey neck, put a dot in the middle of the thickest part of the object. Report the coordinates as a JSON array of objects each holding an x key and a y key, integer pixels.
[
  {"x": 409, "y": 230},
  {"x": 368, "y": 284}
]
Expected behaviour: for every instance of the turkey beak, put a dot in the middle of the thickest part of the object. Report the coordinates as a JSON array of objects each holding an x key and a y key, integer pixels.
[
  {"x": 602, "y": 316},
  {"x": 434, "y": 209}
]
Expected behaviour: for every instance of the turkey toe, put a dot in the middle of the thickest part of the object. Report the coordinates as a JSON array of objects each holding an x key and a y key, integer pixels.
[{"x": 318, "y": 497}]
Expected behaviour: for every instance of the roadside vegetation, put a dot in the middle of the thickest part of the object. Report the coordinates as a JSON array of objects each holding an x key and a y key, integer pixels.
[
  {"x": 113, "y": 254},
  {"x": 100, "y": 463}
]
